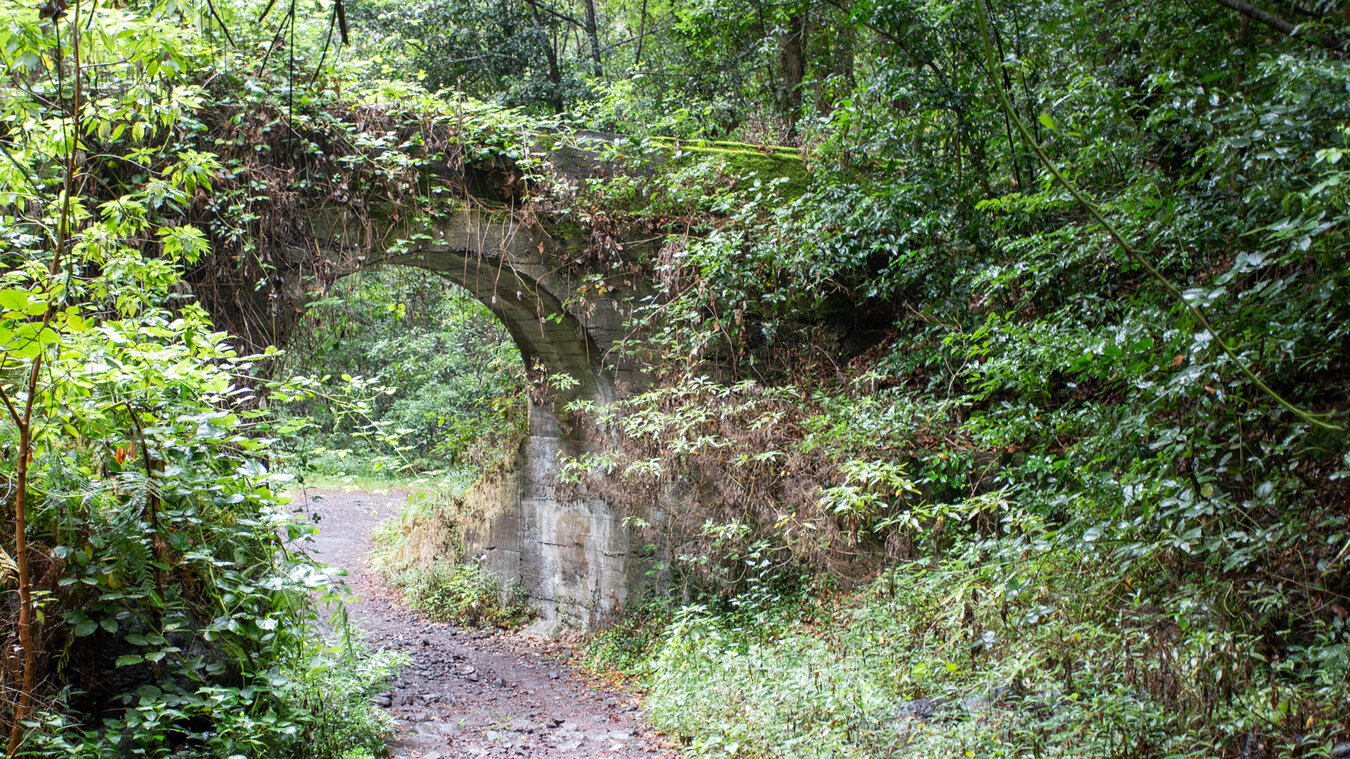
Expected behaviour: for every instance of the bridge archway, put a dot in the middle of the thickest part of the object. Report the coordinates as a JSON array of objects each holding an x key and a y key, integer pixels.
[{"x": 570, "y": 552}]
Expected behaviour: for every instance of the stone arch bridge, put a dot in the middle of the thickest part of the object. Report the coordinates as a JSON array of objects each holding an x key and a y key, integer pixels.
[{"x": 571, "y": 553}]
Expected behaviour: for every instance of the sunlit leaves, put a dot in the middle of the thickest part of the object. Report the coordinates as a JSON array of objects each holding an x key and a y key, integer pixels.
[{"x": 183, "y": 242}]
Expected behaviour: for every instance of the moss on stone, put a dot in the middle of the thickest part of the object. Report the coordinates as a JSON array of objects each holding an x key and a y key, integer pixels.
[{"x": 767, "y": 162}]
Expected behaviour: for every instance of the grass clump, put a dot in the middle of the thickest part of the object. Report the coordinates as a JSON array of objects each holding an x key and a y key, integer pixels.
[
  {"x": 465, "y": 593},
  {"x": 423, "y": 551}
]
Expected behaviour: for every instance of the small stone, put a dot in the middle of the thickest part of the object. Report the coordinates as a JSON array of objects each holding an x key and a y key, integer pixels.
[
  {"x": 920, "y": 708},
  {"x": 977, "y": 704},
  {"x": 492, "y": 736}
]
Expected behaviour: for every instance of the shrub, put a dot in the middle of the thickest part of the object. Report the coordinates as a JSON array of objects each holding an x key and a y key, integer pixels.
[
  {"x": 465, "y": 593},
  {"x": 318, "y": 708}
]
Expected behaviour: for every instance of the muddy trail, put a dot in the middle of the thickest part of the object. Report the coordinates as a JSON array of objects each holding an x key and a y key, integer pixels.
[{"x": 471, "y": 693}]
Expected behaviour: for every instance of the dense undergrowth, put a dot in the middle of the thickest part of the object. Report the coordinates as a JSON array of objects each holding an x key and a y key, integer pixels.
[
  {"x": 983, "y": 655},
  {"x": 1102, "y": 481}
]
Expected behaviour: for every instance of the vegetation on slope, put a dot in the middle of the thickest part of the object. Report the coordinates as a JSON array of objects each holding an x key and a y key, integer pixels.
[{"x": 1108, "y": 508}]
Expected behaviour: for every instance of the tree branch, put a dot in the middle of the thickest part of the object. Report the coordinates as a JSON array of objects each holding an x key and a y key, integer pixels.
[
  {"x": 560, "y": 16},
  {"x": 1321, "y": 39}
]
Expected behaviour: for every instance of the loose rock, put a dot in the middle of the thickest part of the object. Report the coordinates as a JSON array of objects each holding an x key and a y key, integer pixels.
[{"x": 528, "y": 703}]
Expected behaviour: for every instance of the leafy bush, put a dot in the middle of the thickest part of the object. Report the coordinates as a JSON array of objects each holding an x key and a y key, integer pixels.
[{"x": 321, "y": 709}]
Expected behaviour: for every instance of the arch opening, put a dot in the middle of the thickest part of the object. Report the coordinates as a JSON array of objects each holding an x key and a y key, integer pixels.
[
  {"x": 417, "y": 376},
  {"x": 571, "y": 553}
]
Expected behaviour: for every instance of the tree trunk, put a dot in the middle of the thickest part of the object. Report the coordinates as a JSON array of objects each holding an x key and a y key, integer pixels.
[
  {"x": 791, "y": 71},
  {"x": 593, "y": 32},
  {"x": 642, "y": 33},
  {"x": 840, "y": 65},
  {"x": 27, "y": 640},
  {"x": 551, "y": 55}
]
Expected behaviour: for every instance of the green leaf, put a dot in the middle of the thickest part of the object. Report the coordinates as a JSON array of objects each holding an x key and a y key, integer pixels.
[
  {"x": 13, "y": 300},
  {"x": 85, "y": 628},
  {"x": 127, "y": 660},
  {"x": 1047, "y": 121}
]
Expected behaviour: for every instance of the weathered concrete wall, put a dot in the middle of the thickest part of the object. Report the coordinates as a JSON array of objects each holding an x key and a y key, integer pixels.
[{"x": 573, "y": 555}]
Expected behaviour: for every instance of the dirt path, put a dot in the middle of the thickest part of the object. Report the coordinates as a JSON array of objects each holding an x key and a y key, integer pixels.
[{"x": 471, "y": 693}]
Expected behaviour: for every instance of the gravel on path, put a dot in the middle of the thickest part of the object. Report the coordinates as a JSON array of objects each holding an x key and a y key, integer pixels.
[{"x": 471, "y": 693}]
